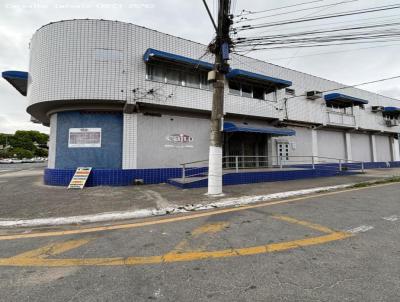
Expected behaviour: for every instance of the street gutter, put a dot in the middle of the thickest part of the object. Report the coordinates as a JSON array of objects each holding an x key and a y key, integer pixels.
[{"x": 151, "y": 212}]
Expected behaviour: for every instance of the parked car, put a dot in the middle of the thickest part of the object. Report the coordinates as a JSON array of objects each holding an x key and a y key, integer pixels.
[
  {"x": 6, "y": 161},
  {"x": 28, "y": 160}
]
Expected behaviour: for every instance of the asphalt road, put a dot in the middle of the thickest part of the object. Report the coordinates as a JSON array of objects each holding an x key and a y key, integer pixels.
[{"x": 333, "y": 247}]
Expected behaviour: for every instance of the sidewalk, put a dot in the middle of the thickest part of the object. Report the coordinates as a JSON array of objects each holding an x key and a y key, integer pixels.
[{"x": 23, "y": 196}]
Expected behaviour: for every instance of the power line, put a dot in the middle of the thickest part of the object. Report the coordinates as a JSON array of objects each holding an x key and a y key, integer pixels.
[
  {"x": 244, "y": 19},
  {"x": 246, "y": 12},
  {"x": 333, "y": 52},
  {"x": 318, "y": 45},
  {"x": 321, "y": 17},
  {"x": 335, "y": 23},
  {"x": 351, "y": 86},
  {"x": 306, "y": 33},
  {"x": 303, "y": 17}
]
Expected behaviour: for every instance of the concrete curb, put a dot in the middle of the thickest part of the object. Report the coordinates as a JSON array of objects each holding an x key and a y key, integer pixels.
[{"x": 145, "y": 213}]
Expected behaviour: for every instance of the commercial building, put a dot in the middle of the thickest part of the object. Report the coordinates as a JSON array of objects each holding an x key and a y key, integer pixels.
[{"x": 134, "y": 103}]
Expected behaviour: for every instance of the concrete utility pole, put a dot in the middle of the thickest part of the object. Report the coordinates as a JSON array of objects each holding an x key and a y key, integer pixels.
[{"x": 221, "y": 50}]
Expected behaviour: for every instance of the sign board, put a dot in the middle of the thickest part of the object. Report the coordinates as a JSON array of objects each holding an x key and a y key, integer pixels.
[
  {"x": 84, "y": 138},
  {"x": 179, "y": 141},
  {"x": 80, "y": 177}
]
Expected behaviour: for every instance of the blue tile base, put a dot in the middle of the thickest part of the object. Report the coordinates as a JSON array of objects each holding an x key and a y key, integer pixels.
[
  {"x": 112, "y": 177},
  {"x": 257, "y": 177},
  {"x": 119, "y": 177}
]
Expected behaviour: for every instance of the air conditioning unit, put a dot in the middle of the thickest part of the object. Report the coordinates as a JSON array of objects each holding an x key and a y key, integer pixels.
[
  {"x": 313, "y": 95},
  {"x": 392, "y": 123},
  {"x": 377, "y": 108}
]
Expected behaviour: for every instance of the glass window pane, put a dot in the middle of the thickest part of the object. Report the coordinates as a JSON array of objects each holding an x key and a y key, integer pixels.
[
  {"x": 192, "y": 80},
  {"x": 174, "y": 77},
  {"x": 234, "y": 88},
  {"x": 156, "y": 73},
  {"x": 204, "y": 81},
  {"x": 258, "y": 93},
  {"x": 247, "y": 91}
]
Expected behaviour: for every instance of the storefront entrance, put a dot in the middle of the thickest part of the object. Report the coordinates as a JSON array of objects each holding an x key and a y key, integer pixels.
[{"x": 248, "y": 150}]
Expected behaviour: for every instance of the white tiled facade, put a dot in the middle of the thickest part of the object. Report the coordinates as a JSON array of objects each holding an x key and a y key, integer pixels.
[{"x": 93, "y": 60}]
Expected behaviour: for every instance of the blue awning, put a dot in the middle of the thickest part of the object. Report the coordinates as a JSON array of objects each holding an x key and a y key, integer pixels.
[
  {"x": 153, "y": 55},
  {"x": 342, "y": 100},
  {"x": 18, "y": 79},
  {"x": 232, "y": 127},
  {"x": 239, "y": 74},
  {"x": 391, "y": 110}
]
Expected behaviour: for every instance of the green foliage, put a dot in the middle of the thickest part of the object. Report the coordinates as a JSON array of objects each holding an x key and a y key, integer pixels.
[
  {"x": 39, "y": 152},
  {"x": 24, "y": 144},
  {"x": 21, "y": 153}
]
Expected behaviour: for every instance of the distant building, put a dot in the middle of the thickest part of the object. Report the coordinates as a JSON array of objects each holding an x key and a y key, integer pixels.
[{"x": 136, "y": 103}]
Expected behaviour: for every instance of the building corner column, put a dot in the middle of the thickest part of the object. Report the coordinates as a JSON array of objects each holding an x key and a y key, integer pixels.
[
  {"x": 349, "y": 153},
  {"x": 51, "y": 163},
  {"x": 314, "y": 142},
  {"x": 373, "y": 148},
  {"x": 129, "y": 143},
  {"x": 395, "y": 148}
]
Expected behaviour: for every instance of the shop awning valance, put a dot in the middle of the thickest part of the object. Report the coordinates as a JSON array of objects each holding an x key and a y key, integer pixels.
[
  {"x": 18, "y": 79},
  {"x": 240, "y": 75},
  {"x": 391, "y": 110},
  {"x": 342, "y": 100},
  {"x": 232, "y": 127},
  {"x": 153, "y": 55}
]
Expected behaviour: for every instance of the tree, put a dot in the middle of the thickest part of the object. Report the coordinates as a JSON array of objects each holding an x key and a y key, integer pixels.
[
  {"x": 21, "y": 153},
  {"x": 32, "y": 141},
  {"x": 40, "y": 152}
]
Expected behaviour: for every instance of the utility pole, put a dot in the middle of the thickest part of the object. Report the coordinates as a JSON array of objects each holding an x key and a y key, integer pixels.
[{"x": 221, "y": 50}]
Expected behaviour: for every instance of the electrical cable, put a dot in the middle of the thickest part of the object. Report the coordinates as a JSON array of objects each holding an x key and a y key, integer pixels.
[
  {"x": 244, "y": 19},
  {"x": 245, "y": 12},
  {"x": 321, "y": 17}
]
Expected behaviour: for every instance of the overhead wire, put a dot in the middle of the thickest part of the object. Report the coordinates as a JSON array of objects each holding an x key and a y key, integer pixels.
[
  {"x": 319, "y": 17},
  {"x": 333, "y": 52},
  {"x": 303, "y": 17},
  {"x": 246, "y": 12},
  {"x": 245, "y": 19}
]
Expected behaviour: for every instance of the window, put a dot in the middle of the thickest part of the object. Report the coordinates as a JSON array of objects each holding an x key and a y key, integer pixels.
[
  {"x": 258, "y": 93},
  {"x": 192, "y": 80},
  {"x": 250, "y": 91},
  {"x": 204, "y": 84},
  {"x": 164, "y": 74},
  {"x": 234, "y": 88},
  {"x": 173, "y": 77},
  {"x": 155, "y": 73},
  {"x": 342, "y": 110},
  {"x": 247, "y": 91}
]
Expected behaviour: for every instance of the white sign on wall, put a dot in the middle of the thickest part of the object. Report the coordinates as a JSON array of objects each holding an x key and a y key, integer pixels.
[
  {"x": 84, "y": 138},
  {"x": 179, "y": 141}
]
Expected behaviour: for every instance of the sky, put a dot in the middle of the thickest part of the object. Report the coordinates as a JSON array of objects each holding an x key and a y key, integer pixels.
[{"x": 350, "y": 64}]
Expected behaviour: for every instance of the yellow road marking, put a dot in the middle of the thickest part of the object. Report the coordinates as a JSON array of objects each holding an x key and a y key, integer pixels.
[
  {"x": 53, "y": 249},
  {"x": 176, "y": 257},
  {"x": 209, "y": 228},
  {"x": 179, "y": 218},
  {"x": 310, "y": 225}
]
